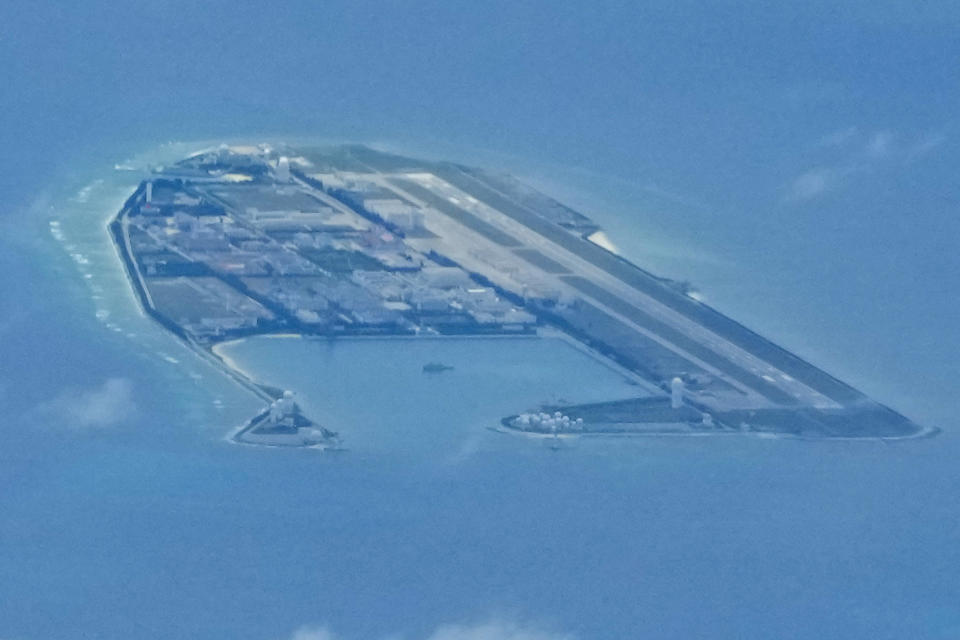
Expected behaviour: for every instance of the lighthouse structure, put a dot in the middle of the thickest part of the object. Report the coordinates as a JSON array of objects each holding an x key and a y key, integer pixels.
[{"x": 676, "y": 393}]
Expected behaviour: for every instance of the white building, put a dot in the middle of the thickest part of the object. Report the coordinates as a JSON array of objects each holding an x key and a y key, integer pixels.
[{"x": 676, "y": 393}]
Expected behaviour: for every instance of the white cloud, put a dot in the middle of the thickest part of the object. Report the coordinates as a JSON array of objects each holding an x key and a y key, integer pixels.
[
  {"x": 491, "y": 630},
  {"x": 495, "y": 630},
  {"x": 879, "y": 144},
  {"x": 858, "y": 154},
  {"x": 100, "y": 407},
  {"x": 313, "y": 633},
  {"x": 812, "y": 183}
]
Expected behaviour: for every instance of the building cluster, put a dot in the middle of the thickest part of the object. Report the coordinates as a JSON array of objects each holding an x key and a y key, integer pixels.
[
  {"x": 207, "y": 307},
  {"x": 282, "y": 424},
  {"x": 232, "y": 242}
]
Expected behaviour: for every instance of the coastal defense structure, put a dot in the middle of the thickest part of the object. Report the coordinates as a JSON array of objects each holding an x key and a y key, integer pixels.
[
  {"x": 676, "y": 393},
  {"x": 283, "y": 425}
]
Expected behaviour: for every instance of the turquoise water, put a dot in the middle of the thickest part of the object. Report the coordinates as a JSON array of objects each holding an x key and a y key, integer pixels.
[
  {"x": 797, "y": 162},
  {"x": 374, "y": 392},
  {"x": 111, "y": 521}
]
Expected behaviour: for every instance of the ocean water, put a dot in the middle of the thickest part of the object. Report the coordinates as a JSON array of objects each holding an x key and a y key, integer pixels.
[
  {"x": 124, "y": 503},
  {"x": 375, "y": 392},
  {"x": 796, "y": 163}
]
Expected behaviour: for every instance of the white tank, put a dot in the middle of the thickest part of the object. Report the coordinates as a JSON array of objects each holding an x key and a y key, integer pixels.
[{"x": 275, "y": 413}]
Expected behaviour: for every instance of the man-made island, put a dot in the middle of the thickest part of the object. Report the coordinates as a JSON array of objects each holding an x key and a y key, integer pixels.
[{"x": 349, "y": 241}]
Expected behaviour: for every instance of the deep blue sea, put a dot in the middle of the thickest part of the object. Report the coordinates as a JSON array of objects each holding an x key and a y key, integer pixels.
[{"x": 797, "y": 164}]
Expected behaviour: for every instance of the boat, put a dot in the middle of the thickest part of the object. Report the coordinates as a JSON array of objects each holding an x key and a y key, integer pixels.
[{"x": 436, "y": 367}]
